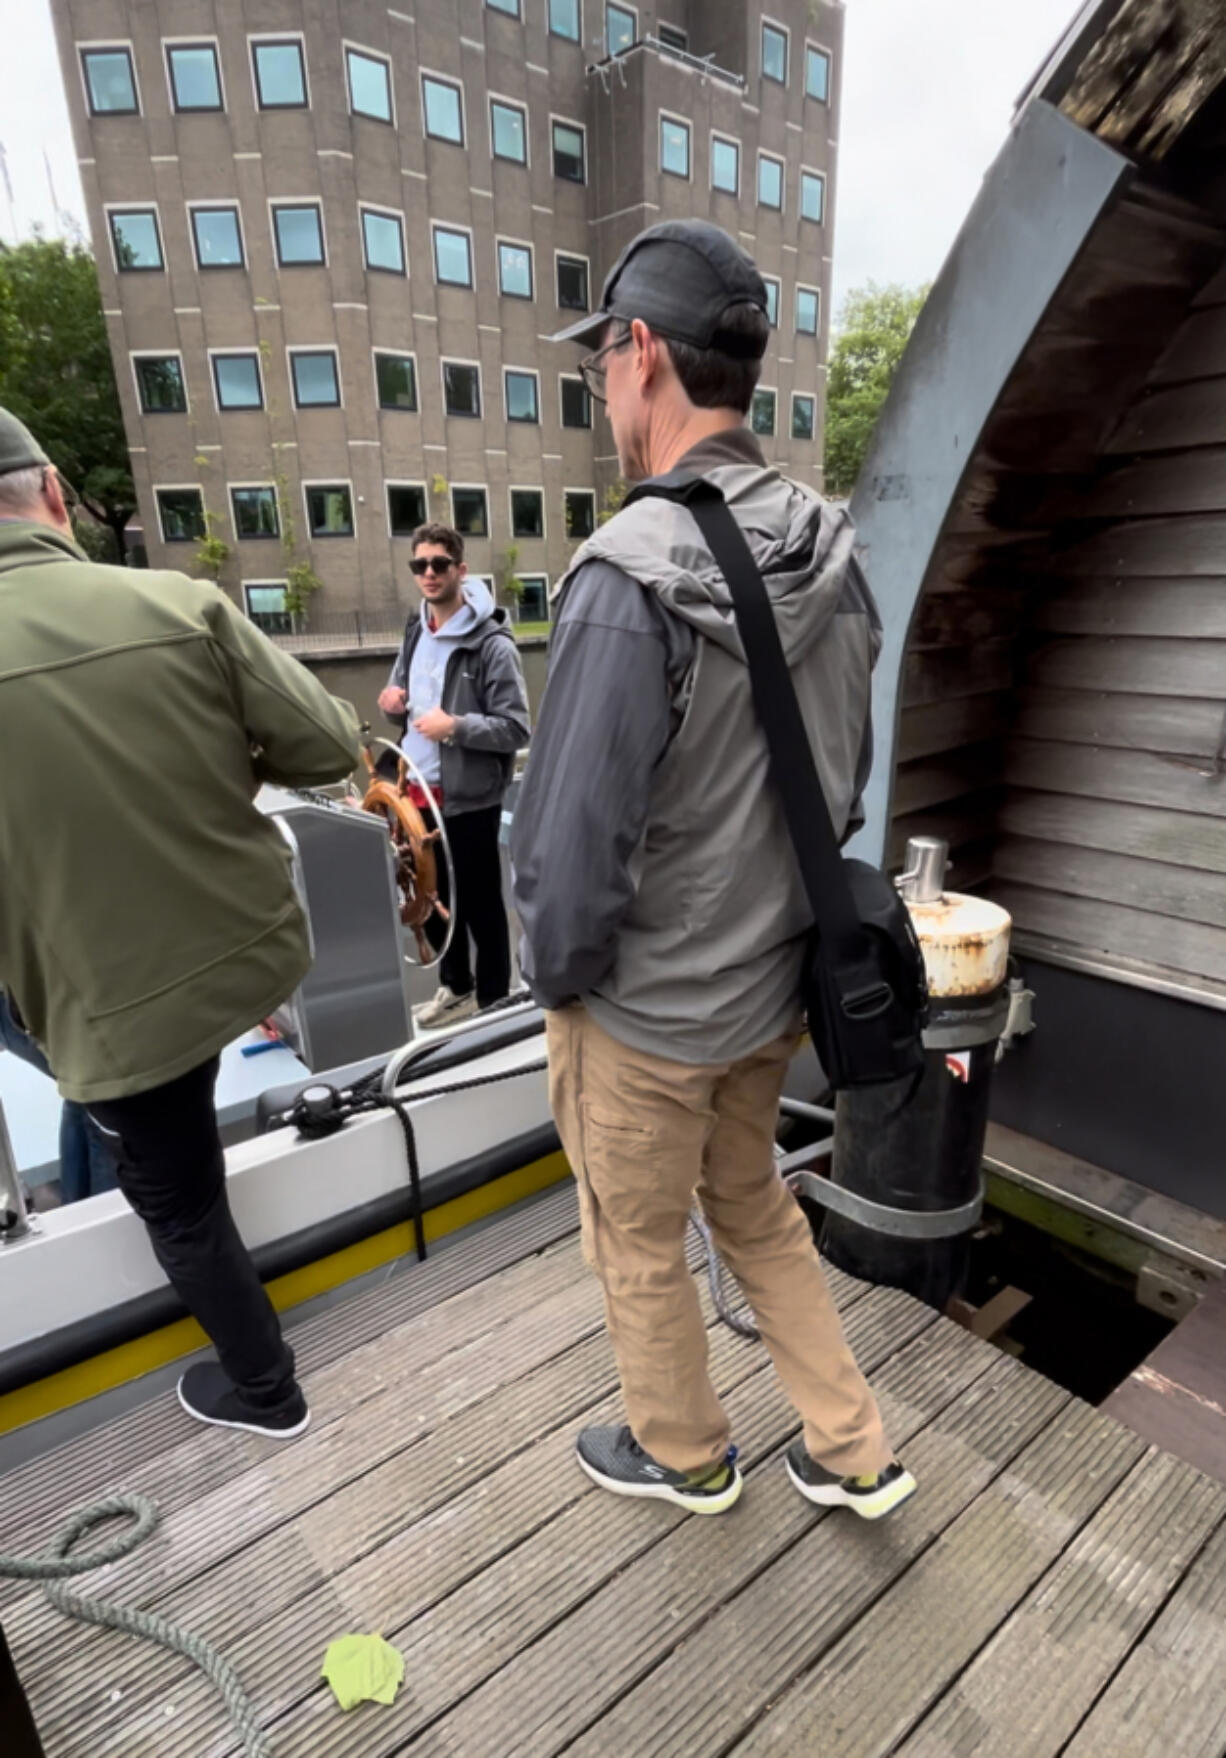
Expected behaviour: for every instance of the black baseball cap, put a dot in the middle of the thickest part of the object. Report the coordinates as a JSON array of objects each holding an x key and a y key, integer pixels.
[{"x": 682, "y": 278}]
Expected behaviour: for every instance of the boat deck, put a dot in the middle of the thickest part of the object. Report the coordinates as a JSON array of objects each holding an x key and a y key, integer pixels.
[{"x": 1057, "y": 1586}]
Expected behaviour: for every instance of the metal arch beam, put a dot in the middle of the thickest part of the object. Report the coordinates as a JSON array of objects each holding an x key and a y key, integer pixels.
[{"x": 1039, "y": 204}]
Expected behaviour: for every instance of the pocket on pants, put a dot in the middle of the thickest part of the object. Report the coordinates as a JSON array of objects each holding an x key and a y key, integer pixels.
[{"x": 616, "y": 1155}]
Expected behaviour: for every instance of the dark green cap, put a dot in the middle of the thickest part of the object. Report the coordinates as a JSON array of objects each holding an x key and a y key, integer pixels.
[{"x": 19, "y": 450}]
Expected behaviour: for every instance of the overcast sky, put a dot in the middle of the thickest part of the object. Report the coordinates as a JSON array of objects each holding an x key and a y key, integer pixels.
[{"x": 928, "y": 92}]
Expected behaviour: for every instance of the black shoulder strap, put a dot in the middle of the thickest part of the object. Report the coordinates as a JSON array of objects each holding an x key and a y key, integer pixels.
[{"x": 774, "y": 697}]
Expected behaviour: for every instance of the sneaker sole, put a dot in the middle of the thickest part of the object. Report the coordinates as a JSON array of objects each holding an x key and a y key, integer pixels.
[
  {"x": 664, "y": 1492},
  {"x": 869, "y": 1507},
  {"x": 272, "y": 1434}
]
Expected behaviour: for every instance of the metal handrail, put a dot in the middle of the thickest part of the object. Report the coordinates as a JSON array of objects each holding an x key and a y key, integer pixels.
[{"x": 14, "y": 1219}]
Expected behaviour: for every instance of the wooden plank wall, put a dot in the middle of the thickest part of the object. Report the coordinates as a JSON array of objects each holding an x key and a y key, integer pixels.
[
  {"x": 1113, "y": 822},
  {"x": 1064, "y": 700}
]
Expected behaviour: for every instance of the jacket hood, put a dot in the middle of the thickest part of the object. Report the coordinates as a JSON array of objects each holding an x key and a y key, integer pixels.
[
  {"x": 27, "y": 541},
  {"x": 803, "y": 546},
  {"x": 476, "y": 620}
]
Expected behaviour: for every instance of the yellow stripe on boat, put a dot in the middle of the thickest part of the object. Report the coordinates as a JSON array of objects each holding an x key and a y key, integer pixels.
[{"x": 128, "y": 1361}]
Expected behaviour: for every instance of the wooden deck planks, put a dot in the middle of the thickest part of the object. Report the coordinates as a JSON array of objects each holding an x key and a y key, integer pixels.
[
  {"x": 1029, "y": 1689},
  {"x": 1055, "y": 1581}
]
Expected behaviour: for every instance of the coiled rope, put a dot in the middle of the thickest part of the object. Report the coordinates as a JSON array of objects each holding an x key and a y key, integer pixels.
[{"x": 55, "y": 1564}]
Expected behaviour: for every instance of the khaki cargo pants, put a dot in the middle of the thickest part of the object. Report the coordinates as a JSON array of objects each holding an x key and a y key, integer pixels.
[{"x": 642, "y": 1135}]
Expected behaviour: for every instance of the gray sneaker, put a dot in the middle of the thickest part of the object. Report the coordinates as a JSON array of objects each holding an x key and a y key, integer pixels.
[
  {"x": 870, "y": 1497},
  {"x": 613, "y": 1459},
  {"x": 445, "y": 1008}
]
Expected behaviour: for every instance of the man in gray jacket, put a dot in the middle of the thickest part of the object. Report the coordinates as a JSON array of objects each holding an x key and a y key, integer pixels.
[
  {"x": 457, "y": 692},
  {"x": 661, "y": 902}
]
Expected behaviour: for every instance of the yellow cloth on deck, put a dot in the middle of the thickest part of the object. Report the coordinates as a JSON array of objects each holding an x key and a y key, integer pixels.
[{"x": 363, "y": 1669}]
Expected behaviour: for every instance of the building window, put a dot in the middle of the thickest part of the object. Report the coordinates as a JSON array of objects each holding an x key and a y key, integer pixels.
[
  {"x": 218, "y": 238},
  {"x": 255, "y": 512},
  {"x": 406, "y": 508},
  {"x": 580, "y": 504},
  {"x": 315, "y": 378},
  {"x": 533, "y": 598},
  {"x": 808, "y": 310},
  {"x": 674, "y": 146},
  {"x": 508, "y": 131},
  {"x": 159, "y": 384},
  {"x": 812, "y": 196},
  {"x": 775, "y": 53},
  {"x": 383, "y": 241},
  {"x": 669, "y": 37},
  {"x": 236, "y": 378},
  {"x": 621, "y": 28},
  {"x": 181, "y": 514},
  {"x": 565, "y": 19},
  {"x": 515, "y": 270},
  {"x": 195, "y": 79},
  {"x": 442, "y": 109},
  {"x": 510, "y": 7},
  {"x": 136, "y": 238},
  {"x": 772, "y": 301},
  {"x": 280, "y": 74},
  {"x": 453, "y": 257},
  {"x": 817, "y": 74},
  {"x": 370, "y": 85},
  {"x": 110, "y": 82},
  {"x": 725, "y": 164},
  {"x": 804, "y": 416},
  {"x": 329, "y": 509},
  {"x": 576, "y": 403},
  {"x": 461, "y": 388},
  {"x": 523, "y": 394},
  {"x": 762, "y": 413},
  {"x": 469, "y": 512},
  {"x": 266, "y": 607},
  {"x": 299, "y": 233},
  {"x": 770, "y": 182},
  {"x": 569, "y": 153},
  {"x": 396, "y": 381},
  {"x": 527, "y": 512},
  {"x": 572, "y": 283}
]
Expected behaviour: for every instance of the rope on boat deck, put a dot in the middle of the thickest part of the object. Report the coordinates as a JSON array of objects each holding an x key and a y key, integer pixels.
[
  {"x": 56, "y": 1563},
  {"x": 743, "y": 1325}
]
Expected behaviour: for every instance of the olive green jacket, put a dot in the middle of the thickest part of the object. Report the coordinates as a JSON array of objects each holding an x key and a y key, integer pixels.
[{"x": 147, "y": 914}]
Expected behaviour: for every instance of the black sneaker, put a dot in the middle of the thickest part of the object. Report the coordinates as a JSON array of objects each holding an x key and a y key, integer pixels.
[
  {"x": 871, "y": 1497},
  {"x": 207, "y": 1393},
  {"x": 613, "y": 1459}
]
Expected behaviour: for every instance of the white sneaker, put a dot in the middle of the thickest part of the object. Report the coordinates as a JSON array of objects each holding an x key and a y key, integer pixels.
[{"x": 445, "y": 1009}]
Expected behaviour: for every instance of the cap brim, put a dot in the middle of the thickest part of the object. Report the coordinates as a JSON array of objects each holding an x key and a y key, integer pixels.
[{"x": 588, "y": 330}]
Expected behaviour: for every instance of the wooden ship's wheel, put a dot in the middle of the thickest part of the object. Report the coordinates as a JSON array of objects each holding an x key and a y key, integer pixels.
[{"x": 419, "y": 851}]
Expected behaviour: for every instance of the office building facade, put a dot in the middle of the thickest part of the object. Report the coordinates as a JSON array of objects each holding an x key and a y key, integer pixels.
[{"x": 334, "y": 239}]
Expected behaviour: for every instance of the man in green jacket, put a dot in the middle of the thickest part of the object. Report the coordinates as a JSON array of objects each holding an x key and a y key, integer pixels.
[{"x": 147, "y": 913}]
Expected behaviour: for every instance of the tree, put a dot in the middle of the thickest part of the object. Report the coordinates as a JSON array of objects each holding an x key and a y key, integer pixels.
[
  {"x": 56, "y": 373},
  {"x": 874, "y": 326}
]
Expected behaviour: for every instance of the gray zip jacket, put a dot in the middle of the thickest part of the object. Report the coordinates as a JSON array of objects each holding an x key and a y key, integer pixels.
[
  {"x": 654, "y": 876},
  {"x": 484, "y": 688}
]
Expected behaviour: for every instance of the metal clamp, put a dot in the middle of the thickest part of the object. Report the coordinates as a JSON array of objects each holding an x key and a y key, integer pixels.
[{"x": 880, "y": 1218}]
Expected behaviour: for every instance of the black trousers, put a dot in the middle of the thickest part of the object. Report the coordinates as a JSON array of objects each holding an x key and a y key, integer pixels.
[
  {"x": 172, "y": 1169},
  {"x": 479, "y": 908}
]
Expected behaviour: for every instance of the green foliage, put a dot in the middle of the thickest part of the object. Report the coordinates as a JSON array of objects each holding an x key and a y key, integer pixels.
[
  {"x": 98, "y": 541},
  {"x": 611, "y": 500},
  {"x": 213, "y": 552},
  {"x": 874, "y": 326},
  {"x": 56, "y": 373},
  {"x": 512, "y": 585},
  {"x": 301, "y": 581},
  {"x": 439, "y": 487}
]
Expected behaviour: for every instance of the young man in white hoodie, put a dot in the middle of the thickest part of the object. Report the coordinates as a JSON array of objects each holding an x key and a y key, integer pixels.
[{"x": 457, "y": 691}]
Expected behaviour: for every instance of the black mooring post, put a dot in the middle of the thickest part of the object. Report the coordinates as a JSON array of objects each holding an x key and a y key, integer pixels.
[{"x": 20, "y": 1734}]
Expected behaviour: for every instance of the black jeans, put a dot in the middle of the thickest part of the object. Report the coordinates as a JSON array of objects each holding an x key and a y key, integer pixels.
[
  {"x": 173, "y": 1172},
  {"x": 479, "y": 907}
]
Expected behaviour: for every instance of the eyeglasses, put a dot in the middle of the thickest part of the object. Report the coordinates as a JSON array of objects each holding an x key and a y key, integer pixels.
[
  {"x": 594, "y": 373},
  {"x": 431, "y": 564}
]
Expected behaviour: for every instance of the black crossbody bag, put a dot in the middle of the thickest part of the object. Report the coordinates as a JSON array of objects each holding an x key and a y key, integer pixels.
[{"x": 863, "y": 986}]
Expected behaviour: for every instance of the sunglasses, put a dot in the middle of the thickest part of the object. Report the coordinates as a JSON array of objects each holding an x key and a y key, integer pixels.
[{"x": 431, "y": 564}]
